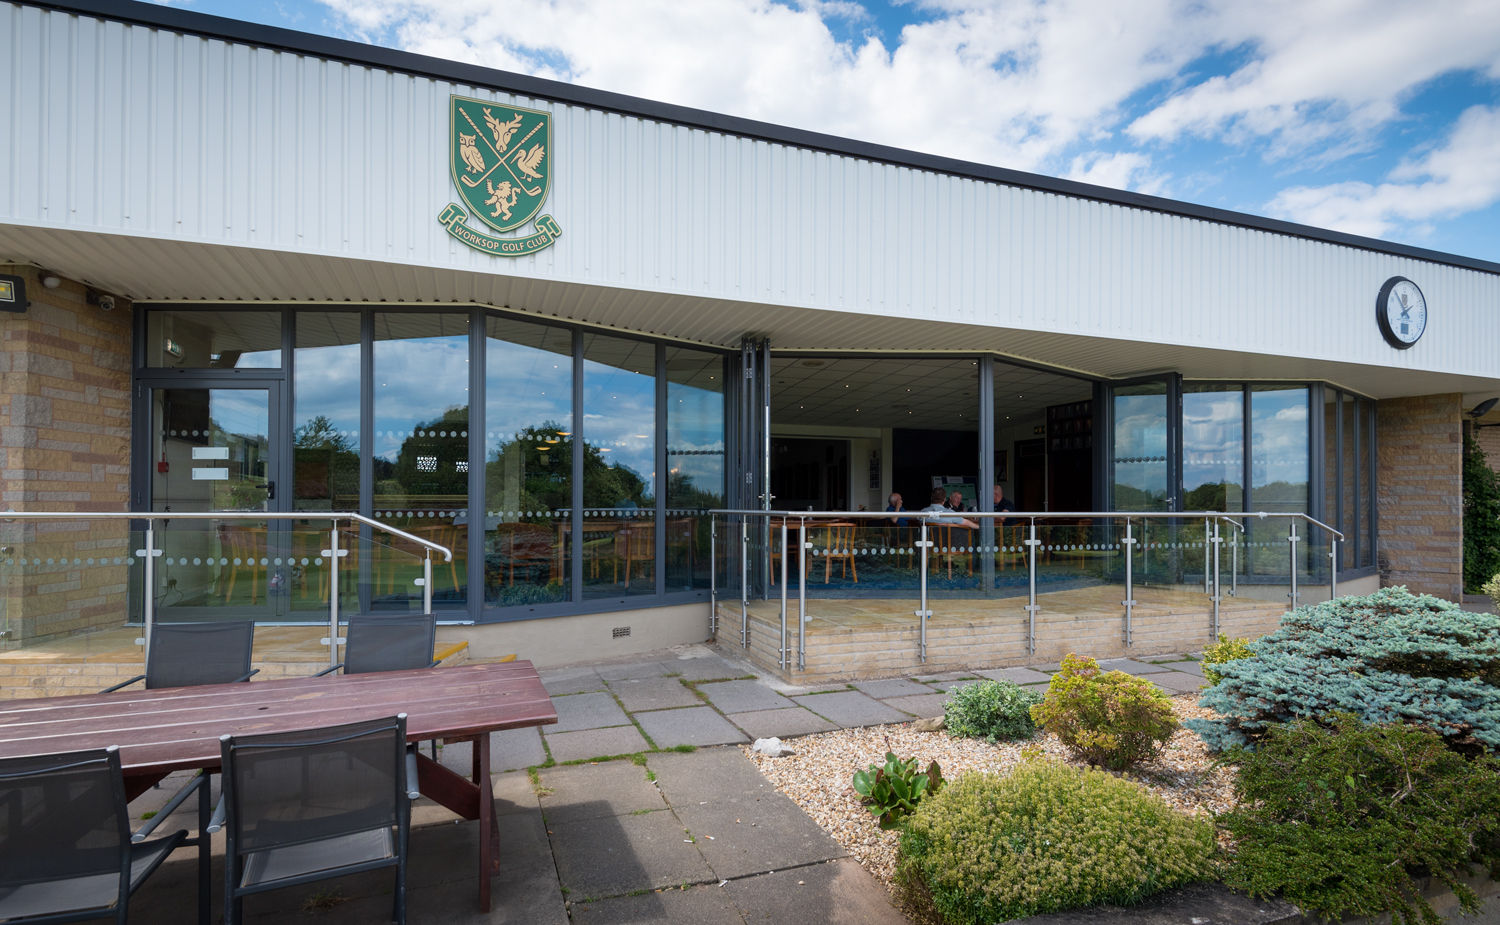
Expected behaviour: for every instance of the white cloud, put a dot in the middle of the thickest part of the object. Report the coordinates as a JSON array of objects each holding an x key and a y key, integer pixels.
[
  {"x": 1461, "y": 175},
  {"x": 1121, "y": 170}
]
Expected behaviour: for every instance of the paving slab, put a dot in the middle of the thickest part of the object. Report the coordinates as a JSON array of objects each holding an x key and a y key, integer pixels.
[
  {"x": 851, "y": 708},
  {"x": 743, "y": 696},
  {"x": 1186, "y": 667},
  {"x": 697, "y": 905},
  {"x": 648, "y": 669},
  {"x": 1049, "y": 668},
  {"x": 513, "y": 793},
  {"x": 590, "y": 791},
  {"x": 1020, "y": 675},
  {"x": 781, "y": 724},
  {"x": 882, "y": 690},
  {"x": 510, "y": 750},
  {"x": 562, "y": 681},
  {"x": 1205, "y": 903},
  {"x": 837, "y": 893},
  {"x": 587, "y": 711},
  {"x": 653, "y": 693},
  {"x": 613, "y": 855},
  {"x": 1131, "y": 666},
  {"x": 595, "y": 743},
  {"x": 951, "y": 686},
  {"x": 922, "y": 706},
  {"x": 1177, "y": 682},
  {"x": 743, "y": 824},
  {"x": 712, "y": 668},
  {"x": 693, "y": 726}
]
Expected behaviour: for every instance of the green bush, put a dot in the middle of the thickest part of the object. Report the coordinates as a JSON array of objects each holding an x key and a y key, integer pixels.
[
  {"x": 1481, "y": 518},
  {"x": 1225, "y": 650},
  {"x": 991, "y": 710},
  {"x": 893, "y": 791},
  {"x": 1390, "y": 657},
  {"x": 1108, "y": 718},
  {"x": 1336, "y": 819},
  {"x": 1046, "y": 837},
  {"x": 1492, "y": 588}
]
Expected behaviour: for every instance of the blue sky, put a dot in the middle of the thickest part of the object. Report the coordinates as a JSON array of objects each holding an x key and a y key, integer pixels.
[{"x": 1378, "y": 117}]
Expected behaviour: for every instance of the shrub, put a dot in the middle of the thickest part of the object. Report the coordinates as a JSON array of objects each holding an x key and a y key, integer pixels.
[
  {"x": 991, "y": 710},
  {"x": 1336, "y": 819},
  {"x": 1389, "y": 657},
  {"x": 893, "y": 791},
  {"x": 1225, "y": 650},
  {"x": 1492, "y": 588},
  {"x": 1481, "y": 517},
  {"x": 1046, "y": 837},
  {"x": 1107, "y": 718}
]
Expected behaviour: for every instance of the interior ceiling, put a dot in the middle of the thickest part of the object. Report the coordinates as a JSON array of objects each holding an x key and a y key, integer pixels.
[
  {"x": 152, "y": 269},
  {"x": 925, "y": 394}
]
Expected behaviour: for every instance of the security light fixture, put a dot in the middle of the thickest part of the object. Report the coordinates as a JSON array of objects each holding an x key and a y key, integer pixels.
[
  {"x": 1480, "y": 410},
  {"x": 12, "y": 294}
]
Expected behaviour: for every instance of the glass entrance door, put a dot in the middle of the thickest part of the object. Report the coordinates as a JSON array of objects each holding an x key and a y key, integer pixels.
[
  {"x": 1144, "y": 440},
  {"x": 214, "y": 450}
]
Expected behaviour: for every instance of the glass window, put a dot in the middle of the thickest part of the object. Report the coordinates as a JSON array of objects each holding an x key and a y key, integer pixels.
[
  {"x": 213, "y": 340},
  {"x": 1140, "y": 448},
  {"x": 528, "y": 463},
  {"x": 1213, "y": 447},
  {"x": 325, "y": 427},
  {"x": 421, "y": 453},
  {"x": 1279, "y": 448},
  {"x": 618, "y": 534},
  {"x": 695, "y": 462},
  {"x": 1367, "y": 483}
]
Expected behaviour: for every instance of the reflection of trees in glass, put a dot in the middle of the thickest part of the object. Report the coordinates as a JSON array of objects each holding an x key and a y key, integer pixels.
[
  {"x": 532, "y": 473},
  {"x": 1131, "y": 498},
  {"x": 1212, "y": 496},
  {"x": 433, "y": 460},
  {"x": 248, "y": 490},
  {"x": 326, "y": 462}
]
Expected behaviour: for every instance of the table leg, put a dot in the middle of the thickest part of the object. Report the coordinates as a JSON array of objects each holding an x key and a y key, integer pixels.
[
  {"x": 486, "y": 818},
  {"x": 205, "y": 849}
]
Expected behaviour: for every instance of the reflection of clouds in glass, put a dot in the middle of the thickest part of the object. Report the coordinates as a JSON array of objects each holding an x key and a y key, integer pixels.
[
  {"x": 240, "y": 412},
  {"x": 327, "y": 383},
  {"x": 416, "y": 381},
  {"x": 620, "y": 417},
  {"x": 1279, "y": 438},
  {"x": 695, "y": 437},
  {"x": 526, "y": 387},
  {"x": 1212, "y": 438}
]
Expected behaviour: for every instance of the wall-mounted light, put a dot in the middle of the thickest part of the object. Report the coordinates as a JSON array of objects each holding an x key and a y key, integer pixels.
[
  {"x": 12, "y": 294},
  {"x": 50, "y": 281},
  {"x": 1480, "y": 410}
]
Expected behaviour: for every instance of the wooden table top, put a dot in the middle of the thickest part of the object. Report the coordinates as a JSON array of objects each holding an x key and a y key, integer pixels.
[{"x": 178, "y": 728}]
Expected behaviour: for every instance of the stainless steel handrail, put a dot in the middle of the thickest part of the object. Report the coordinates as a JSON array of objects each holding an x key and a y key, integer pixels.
[
  {"x": 149, "y": 553},
  {"x": 1212, "y": 543}
]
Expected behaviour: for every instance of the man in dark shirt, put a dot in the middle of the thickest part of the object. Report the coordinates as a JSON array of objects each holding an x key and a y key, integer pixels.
[
  {"x": 894, "y": 506},
  {"x": 1003, "y": 503}
]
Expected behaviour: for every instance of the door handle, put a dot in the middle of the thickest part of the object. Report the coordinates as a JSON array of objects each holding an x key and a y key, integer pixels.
[{"x": 270, "y": 491}]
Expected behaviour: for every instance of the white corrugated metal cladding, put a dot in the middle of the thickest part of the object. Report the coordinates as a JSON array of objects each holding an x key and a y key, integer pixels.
[{"x": 222, "y": 162}]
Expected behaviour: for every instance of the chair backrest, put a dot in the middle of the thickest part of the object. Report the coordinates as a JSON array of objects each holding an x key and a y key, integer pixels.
[
  {"x": 187, "y": 654},
  {"x": 64, "y": 816},
  {"x": 389, "y": 642},
  {"x": 289, "y": 788}
]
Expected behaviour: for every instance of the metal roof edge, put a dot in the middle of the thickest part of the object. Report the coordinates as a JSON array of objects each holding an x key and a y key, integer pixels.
[{"x": 139, "y": 12}]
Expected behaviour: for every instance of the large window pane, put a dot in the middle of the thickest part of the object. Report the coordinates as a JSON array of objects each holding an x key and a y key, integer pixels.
[
  {"x": 325, "y": 426},
  {"x": 1367, "y": 483},
  {"x": 695, "y": 462},
  {"x": 421, "y": 454},
  {"x": 213, "y": 340},
  {"x": 1279, "y": 448},
  {"x": 528, "y": 463},
  {"x": 618, "y": 534},
  {"x": 1213, "y": 447},
  {"x": 1140, "y": 448}
]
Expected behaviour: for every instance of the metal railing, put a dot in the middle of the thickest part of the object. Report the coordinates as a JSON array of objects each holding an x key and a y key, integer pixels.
[
  {"x": 1213, "y": 540},
  {"x": 149, "y": 553}
]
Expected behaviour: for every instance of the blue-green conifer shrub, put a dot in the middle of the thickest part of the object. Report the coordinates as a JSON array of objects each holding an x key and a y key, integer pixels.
[{"x": 1389, "y": 657}]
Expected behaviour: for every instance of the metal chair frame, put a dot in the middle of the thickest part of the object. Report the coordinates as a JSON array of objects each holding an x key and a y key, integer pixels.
[{"x": 165, "y": 630}]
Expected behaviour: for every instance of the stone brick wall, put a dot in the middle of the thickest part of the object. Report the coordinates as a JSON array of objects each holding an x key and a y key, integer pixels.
[
  {"x": 1488, "y": 438},
  {"x": 1419, "y": 486},
  {"x": 64, "y": 446}
]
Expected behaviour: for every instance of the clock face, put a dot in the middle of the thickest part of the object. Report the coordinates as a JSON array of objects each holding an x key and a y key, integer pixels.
[{"x": 1401, "y": 311}]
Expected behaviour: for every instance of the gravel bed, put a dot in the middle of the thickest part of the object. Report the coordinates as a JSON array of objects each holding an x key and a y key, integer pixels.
[{"x": 818, "y": 776}]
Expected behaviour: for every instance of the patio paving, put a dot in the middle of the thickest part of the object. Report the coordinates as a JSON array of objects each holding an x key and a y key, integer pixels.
[{"x": 694, "y": 726}]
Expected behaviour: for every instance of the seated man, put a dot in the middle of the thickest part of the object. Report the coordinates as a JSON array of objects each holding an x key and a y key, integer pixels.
[
  {"x": 895, "y": 506},
  {"x": 940, "y": 495},
  {"x": 1003, "y": 503},
  {"x": 956, "y": 502}
]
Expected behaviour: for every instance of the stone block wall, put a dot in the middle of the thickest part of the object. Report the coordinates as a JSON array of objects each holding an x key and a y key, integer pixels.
[
  {"x": 64, "y": 446},
  {"x": 1488, "y": 438},
  {"x": 1419, "y": 493}
]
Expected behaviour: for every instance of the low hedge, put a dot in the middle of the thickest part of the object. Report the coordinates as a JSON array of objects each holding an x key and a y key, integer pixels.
[
  {"x": 991, "y": 710},
  {"x": 1048, "y": 836}
]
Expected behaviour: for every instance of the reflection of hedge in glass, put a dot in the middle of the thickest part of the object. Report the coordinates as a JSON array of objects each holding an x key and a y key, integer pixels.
[{"x": 326, "y": 461}]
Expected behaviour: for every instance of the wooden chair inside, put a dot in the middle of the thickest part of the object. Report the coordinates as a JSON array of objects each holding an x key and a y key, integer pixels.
[
  {"x": 247, "y": 547},
  {"x": 635, "y": 544},
  {"x": 443, "y": 535},
  {"x": 950, "y": 542},
  {"x": 838, "y": 542},
  {"x": 526, "y": 545}
]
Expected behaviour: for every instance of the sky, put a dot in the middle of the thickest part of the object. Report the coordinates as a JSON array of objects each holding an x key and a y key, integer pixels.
[{"x": 1375, "y": 117}]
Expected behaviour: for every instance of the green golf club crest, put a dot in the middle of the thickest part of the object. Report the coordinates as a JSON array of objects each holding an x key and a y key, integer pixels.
[{"x": 500, "y": 157}]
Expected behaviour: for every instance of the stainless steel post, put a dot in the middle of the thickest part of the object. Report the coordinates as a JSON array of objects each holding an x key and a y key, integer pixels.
[
  {"x": 1216, "y": 595},
  {"x": 1205, "y": 556},
  {"x": 713, "y": 576},
  {"x": 1333, "y": 567},
  {"x": 784, "y": 553},
  {"x": 803, "y": 545},
  {"x": 922, "y": 613},
  {"x": 1234, "y": 563},
  {"x": 333, "y": 594},
  {"x": 427, "y": 583},
  {"x": 1291, "y": 543},
  {"x": 1129, "y": 543},
  {"x": 148, "y": 606},
  {"x": 1031, "y": 607},
  {"x": 745, "y": 582}
]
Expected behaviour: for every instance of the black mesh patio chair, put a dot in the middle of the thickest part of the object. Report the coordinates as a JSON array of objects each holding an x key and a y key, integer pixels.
[
  {"x": 304, "y": 806},
  {"x": 189, "y": 654},
  {"x": 388, "y": 642},
  {"x": 66, "y": 852}
]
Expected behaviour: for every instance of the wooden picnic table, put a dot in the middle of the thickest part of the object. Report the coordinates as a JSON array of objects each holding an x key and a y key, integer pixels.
[{"x": 178, "y": 728}]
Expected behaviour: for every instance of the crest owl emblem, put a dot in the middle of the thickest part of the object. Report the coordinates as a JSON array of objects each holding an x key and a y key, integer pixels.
[{"x": 472, "y": 158}]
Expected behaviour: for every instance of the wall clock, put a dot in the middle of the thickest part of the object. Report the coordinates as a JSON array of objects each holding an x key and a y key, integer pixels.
[{"x": 1401, "y": 312}]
